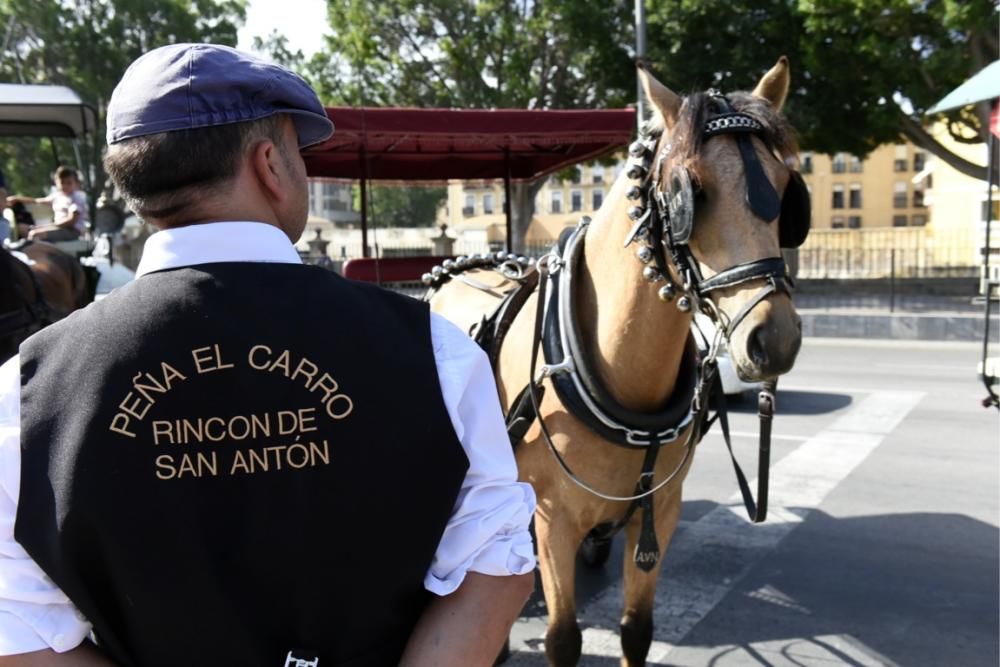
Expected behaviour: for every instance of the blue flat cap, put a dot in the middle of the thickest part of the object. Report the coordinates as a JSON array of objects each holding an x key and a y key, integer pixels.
[{"x": 187, "y": 86}]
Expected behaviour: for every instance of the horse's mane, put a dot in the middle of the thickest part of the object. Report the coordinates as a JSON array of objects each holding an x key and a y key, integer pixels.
[{"x": 686, "y": 138}]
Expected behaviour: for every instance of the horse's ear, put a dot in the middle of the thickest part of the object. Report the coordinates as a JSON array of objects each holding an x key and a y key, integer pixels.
[
  {"x": 665, "y": 101},
  {"x": 773, "y": 86}
]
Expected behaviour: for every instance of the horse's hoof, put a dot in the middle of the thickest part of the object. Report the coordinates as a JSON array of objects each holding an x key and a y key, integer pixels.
[{"x": 595, "y": 553}]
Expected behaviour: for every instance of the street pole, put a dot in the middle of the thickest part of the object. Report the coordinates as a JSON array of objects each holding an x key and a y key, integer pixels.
[{"x": 640, "y": 57}]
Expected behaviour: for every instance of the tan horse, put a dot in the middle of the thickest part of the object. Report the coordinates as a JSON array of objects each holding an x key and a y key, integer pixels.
[
  {"x": 32, "y": 297},
  {"x": 634, "y": 343}
]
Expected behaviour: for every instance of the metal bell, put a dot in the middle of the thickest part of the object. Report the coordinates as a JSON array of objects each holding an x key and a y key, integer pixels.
[
  {"x": 635, "y": 212},
  {"x": 667, "y": 292},
  {"x": 501, "y": 255},
  {"x": 636, "y": 171},
  {"x": 447, "y": 264},
  {"x": 633, "y": 192},
  {"x": 427, "y": 279},
  {"x": 461, "y": 259},
  {"x": 684, "y": 304},
  {"x": 644, "y": 253},
  {"x": 522, "y": 260},
  {"x": 636, "y": 149},
  {"x": 437, "y": 271},
  {"x": 479, "y": 257},
  {"x": 651, "y": 274}
]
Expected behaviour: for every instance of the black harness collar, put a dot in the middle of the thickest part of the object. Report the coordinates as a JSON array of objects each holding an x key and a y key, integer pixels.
[{"x": 579, "y": 386}]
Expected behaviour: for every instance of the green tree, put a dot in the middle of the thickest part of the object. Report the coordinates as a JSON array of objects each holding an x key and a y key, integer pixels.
[
  {"x": 401, "y": 206},
  {"x": 864, "y": 71},
  {"x": 86, "y": 45}
]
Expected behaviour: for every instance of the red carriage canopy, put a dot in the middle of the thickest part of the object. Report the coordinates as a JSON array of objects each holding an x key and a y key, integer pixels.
[
  {"x": 372, "y": 143},
  {"x": 439, "y": 144}
]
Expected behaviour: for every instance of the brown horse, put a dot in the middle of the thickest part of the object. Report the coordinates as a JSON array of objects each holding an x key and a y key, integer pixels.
[
  {"x": 34, "y": 296},
  {"x": 696, "y": 222}
]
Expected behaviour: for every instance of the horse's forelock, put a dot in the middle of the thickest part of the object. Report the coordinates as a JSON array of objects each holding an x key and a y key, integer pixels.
[{"x": 686, "y": 138}]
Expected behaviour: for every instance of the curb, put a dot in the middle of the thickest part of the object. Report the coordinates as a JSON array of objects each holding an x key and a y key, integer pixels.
[{"x": 897, "y": 326}]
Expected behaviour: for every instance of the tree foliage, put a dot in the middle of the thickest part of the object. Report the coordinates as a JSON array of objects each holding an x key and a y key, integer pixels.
[
  {"x": 86, "y": 45},
  {"x": 864, "y": 71},
  {"x": 397, "y": 206},
  {"x": 489, "y": 54}
]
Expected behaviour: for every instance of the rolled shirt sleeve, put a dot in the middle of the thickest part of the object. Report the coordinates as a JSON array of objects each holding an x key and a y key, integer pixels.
[
  {"x": 488, "y": 530},
  {"x": 34, "y": 613}
]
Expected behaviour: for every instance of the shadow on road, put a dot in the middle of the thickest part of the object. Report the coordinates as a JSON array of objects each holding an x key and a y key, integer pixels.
[
  {"x": 904, "y": 589},
  {"x": 794, "y": 403}
]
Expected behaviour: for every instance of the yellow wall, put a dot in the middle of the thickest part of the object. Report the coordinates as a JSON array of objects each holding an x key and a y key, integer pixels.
[{"x": 877, "y": 179}]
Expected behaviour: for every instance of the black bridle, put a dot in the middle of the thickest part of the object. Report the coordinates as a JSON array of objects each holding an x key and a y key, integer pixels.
[{"x": 664, "y": 220}]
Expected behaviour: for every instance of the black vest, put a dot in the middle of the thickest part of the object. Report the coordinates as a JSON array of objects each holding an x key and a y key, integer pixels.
[{"x": 226, "y": 463}]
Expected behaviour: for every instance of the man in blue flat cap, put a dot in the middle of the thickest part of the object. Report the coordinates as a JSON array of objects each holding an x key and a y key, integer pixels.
[{"x": 238, "y": 459}]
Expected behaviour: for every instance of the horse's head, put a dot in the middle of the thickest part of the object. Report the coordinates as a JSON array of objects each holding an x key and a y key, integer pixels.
[{"x": 728, "y": 200}]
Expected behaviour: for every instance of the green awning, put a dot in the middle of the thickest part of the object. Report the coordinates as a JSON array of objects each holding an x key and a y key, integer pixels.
[{"x": 984, "y": 85}]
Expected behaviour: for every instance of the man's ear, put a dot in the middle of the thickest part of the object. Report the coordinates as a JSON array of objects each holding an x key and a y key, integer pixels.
[{"x": 265, "y": 161}]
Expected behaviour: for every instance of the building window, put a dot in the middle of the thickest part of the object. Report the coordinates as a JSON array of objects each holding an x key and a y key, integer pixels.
[
  {"x": 983, "y": 213},
  {"x": 918, "y": 198},
  {"x": 899, "y": 195},
  {"x": 555, "y": 205},
  {"x": 807, "y": 163},
  {"x": 899, "y": 164},
  {"x": 838, "y": 196},
  {"x": 577, "y": 175},
  {"x": 839, "y": 163},
  {"x": 919, "y": 220},
  {"x": 899, "y": 221},
  {"x": 469, "y": 208},
  {"x": 487, "y": 203},
  {"x": 576, "y": 200},
  {"x": 856, "y": 166},
  {"x": 854, "y": 221},
  {"x": 597, "y": 173},
  {"x": 855, "y": 201},
  {"x": 597, "y": 198},
  {"x": 919, "y": 161},
  {"x": 837, "y": 222}
]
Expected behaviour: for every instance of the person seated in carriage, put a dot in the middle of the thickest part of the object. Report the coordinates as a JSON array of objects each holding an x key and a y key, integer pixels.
[{"x": 69, "y": 209}]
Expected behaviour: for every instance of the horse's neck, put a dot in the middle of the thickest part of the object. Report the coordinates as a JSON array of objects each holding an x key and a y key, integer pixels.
[{"x": 636, "y": 342}]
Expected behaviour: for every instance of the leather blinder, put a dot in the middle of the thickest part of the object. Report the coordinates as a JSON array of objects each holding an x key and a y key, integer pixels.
[{"x": 793, "y": 227}]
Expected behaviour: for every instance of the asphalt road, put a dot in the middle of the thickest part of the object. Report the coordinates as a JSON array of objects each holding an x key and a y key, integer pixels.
[{"x": 881, "y": 546}]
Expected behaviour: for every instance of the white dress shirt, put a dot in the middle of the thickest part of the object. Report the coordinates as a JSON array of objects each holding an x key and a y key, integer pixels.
[{"x": 488, "y": 528}]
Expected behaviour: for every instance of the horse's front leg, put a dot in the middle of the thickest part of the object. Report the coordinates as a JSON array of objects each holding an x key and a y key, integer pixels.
[
  {"x": 640, "y": 587},
  {"x": 558, "y": 541}
]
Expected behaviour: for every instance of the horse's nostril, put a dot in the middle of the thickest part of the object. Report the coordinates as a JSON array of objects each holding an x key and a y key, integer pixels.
[{"x": 757, "y": 347}]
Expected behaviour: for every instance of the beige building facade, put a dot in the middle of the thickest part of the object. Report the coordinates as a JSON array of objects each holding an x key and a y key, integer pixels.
[
  {"x": 850, "y": 193},
  {"x": 477, "y": 207}
]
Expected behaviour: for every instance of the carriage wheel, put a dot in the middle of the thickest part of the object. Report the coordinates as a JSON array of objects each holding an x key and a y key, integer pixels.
[{"x": 593, "y": 552}]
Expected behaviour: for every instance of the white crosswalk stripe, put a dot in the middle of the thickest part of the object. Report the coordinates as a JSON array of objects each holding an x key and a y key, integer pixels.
[{"x": 710, "y": 555}]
